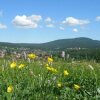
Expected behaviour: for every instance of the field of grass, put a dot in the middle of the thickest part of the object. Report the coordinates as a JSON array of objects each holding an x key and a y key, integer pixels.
[{"x": 56, "y": 80}]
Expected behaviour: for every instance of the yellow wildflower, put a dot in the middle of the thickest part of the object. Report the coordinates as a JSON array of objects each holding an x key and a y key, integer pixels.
[
  {"x": 50, "y": 60},
  {"x": 48, "y": 68},
  {"x": 21, "y": 66},
  {"x": 10, "y": 89},
  {"x": 59, "y": 85},
  {"x": 77, "y": 87},
  {"x": 32, "y": 56},
  {"x": 13, "y": 65},
  {"x": 51, "y": 69},
  {"x": 66, "y": 72}
]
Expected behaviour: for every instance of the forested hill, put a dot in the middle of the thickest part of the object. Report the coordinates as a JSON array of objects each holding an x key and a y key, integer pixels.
[{"x": 58, "y": 44}]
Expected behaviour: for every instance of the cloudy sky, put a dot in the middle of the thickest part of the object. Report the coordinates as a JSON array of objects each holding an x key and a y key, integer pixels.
[{"x": 39, "y": 21}]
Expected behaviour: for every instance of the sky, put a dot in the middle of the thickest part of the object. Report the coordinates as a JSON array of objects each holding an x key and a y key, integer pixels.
[{"x": 40, "y": 21}]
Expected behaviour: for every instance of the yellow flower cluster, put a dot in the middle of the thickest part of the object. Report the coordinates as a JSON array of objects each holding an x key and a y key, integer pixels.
[
  {"x": 31, "y": 56},
  {"x": 51, "y": 69},
  {"x": 14, "y": 65},
  {"x": 10, "y": 89}
]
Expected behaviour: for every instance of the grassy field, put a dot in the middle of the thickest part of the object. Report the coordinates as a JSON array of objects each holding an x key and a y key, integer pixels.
[{"x": 49, "y": 80}]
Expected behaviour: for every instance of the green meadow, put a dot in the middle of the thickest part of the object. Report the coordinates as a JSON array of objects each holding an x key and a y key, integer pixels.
[{"x": 43, "y": 80}]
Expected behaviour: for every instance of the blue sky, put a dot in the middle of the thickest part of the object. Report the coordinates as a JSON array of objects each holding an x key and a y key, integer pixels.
[{"x": 39, "y": 21}]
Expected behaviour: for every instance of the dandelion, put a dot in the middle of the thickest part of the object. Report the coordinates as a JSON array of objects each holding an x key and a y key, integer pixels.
[
  {"x": 59, "y": 85},
  {"x": 77, "y": 87},
  {"x": 66, "y": 72},
  {"x": 50, "y": 60},
  {"x": 21, "y": 66},
  {"x": 10, "y": 89},
  {"x": 13, "y": 65},
  {"x": 48, "y": 68},
  {"x": 32, "y": 56},
  {"x": 54, "y": 70},
  {"x": 51, "y": 69}
]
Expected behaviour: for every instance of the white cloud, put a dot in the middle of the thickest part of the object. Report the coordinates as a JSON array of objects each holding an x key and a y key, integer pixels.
[
  {"x": 50, "y": 25},
  {"x": 73, "y": 21},
  {"x": 98, "y": 18},
  {"x": 1, "y": 13},
  {"x": 35, "y": 18},
  {"x": 61, "y": 28},
  {"x": 48, "y": 20},
  {"x": 2, "y": 26},
  {"x": 75, "y": 30},
  {"x": 27, "y": 21}
]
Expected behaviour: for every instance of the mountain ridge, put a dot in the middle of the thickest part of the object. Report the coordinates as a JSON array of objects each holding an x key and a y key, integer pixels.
[{"x": 80, "y": 42}]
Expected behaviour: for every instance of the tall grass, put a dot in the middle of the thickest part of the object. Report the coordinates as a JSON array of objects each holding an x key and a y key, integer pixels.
[{"x": 35, "y": 82}]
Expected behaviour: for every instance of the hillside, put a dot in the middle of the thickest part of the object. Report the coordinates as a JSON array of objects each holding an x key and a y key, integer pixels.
[
  {"x": 59, "y": 44},
  {"x": 73, "y": 43}
]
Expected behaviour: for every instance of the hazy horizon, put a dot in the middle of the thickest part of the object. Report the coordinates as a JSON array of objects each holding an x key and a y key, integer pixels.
[{"x": 47, "y": 41}]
